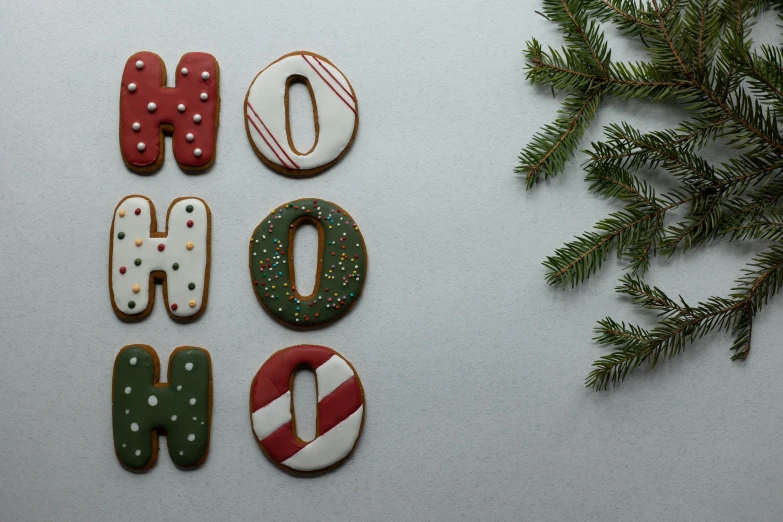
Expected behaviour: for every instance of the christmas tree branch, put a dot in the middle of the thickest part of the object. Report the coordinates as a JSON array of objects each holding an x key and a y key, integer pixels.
[{"x": 699, "y": 54}]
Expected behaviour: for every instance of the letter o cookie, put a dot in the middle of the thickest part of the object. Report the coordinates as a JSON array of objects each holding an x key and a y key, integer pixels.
[
  {"x": 335, "y": 112},
  {"x": 340, "y": 273},
  {"x": 340, "y": 410}
]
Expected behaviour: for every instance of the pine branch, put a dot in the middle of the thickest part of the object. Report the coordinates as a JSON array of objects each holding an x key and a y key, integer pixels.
[
  {"x": 682, "y": 325},
  {"x": 700, "y": 54},
  {"x": 555, "y": 144}
]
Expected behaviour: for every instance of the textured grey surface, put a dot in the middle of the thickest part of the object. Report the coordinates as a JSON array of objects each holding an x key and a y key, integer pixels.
[{"x": 472, "y": 366}]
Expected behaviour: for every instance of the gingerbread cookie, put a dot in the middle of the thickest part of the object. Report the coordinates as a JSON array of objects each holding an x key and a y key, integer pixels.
[
  {"x": 142, "y": 406},
  {"x": 139, "y": 255},
  {"x": 189, "y": 111},
  {"x": 340, "y": 414},
  {"x": 335, "y": 113},
  {"x": 341, "y": 270}
]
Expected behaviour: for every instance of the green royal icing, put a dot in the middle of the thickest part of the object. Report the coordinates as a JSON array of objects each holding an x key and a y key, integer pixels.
[
  {"x": 136, "y": 414},
  {"x": 342, "y": 269}
]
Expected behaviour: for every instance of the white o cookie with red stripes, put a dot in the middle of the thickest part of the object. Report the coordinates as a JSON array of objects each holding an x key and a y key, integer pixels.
[
  {"x": 340, "y": 409},
  {"x": 335, "y": 114}
]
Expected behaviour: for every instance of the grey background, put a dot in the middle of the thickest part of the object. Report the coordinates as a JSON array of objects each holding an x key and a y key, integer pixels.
[{"x": 472, "y": 366}]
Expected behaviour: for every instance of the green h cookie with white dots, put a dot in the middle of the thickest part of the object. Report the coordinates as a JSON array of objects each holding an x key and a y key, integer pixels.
[{"x": 143, "y": 408}]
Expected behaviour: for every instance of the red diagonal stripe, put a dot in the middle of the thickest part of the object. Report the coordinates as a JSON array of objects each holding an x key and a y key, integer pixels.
[
  {"x": 267, "y": 143},
  {"x": 329, "y": 84},
  {"x": 333, "y": 78},
  {"x": 338, "y": 405},
  {"x": 272, "y": 379},
  {"x": 281, "y": 444},
  {"x": 272, "y": 136}
]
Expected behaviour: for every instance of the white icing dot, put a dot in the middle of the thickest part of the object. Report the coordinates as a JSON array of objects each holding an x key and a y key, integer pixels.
[
  {"x": 173, "y": 417},
  {"x": 184, "y": 71},
  {"x": 197, "y": 118},
  {"x": 153, "y": 401},
  {"x": 197, "y": 152},
  {"x": 127, "y": 390},
  {"x": 151, "y": 106},
  {"x": 181, "y": 452},
  {"x": 188, "y": 367},
  {"x": 204, "y": 96},
  {"x": 189, "y": 136},
  {"x": 205, "y": 75},
  {"x": 192, "y": 402},
  {"x": 138, "y": 452},
  {"x": 134, "y": 427},
  {"x": 133, "y": 361},
  {"x": 179, "y": 388},
  {"x": 141, "y": 146},
  {"x": 139, "y": 64},
  {"x": 127, "y": 412},
  {"x": 181, "y": 107},
  {"x": 194, "y": 418},
  {"x": 191, "y": 437},
  {"x": 131, "y": 87},
  {"x": 123, "y": 445},
  {"x": 136, "y": 125}
]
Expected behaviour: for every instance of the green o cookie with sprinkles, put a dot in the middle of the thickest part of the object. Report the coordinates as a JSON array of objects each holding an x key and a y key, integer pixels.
[
  {"x": 341, "y": 270},
  {"x": 142, "y": 406}
]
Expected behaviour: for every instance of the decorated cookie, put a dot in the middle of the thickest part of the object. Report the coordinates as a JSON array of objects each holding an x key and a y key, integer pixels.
[
  {"x": 340, "y": 409},
  {"x": 148, "y": 109},
  {"x": 335, "y": 113},
  {"x": 143, "y": 408},
  {"x": 139, "y": 255},
  {"x": 342, "y": 263}
]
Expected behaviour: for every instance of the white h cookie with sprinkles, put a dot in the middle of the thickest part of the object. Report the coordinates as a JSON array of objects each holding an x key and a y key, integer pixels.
[
  {"x": 139, "y": 256},
  {"x": 335, "y": 114}
]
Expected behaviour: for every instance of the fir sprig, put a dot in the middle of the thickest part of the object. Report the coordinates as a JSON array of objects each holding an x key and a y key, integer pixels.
[{"x": 700, "y": 54}]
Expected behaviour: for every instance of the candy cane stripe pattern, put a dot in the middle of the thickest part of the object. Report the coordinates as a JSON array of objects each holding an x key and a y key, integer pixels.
[
  {"x": 335, "y": 112},
  {"x": 142, "y": 406},
  {"x": 340, "y": 409},
  {"x": 139, "y": 256},
  {"x": 190, "y": 111}
]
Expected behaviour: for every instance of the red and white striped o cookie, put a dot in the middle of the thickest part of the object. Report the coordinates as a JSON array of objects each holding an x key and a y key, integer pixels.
[
  {"x": 340, "y": 408},
  {"x": 335, "y": 112}
]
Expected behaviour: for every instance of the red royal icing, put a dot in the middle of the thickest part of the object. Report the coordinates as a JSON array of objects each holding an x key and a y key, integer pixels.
[{"x": 151, "y": 88}]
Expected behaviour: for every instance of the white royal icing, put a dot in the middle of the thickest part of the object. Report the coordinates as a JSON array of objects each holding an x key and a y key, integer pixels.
[
  {"x": 334, "y": 102},
  {"x": 268, "y": 419},
  {"x": 331, "y": 374},
  {"x": 192, "y": 263},
  {"x": 329, "y": 448}
]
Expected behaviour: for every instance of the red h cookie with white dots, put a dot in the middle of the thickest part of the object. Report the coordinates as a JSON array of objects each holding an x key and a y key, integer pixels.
[{"x": 189, "y": 111}]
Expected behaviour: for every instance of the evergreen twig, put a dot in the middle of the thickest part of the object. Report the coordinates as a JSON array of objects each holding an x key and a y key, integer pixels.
[{"x": 700, "y": 54}]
